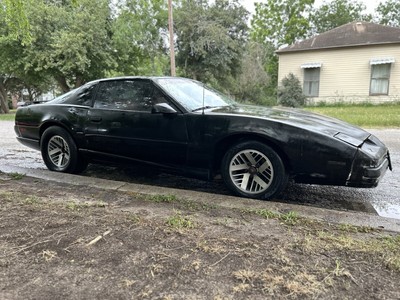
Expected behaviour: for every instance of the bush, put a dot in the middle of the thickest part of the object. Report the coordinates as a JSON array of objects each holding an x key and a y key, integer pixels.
[{"x": 290, "y": 92}]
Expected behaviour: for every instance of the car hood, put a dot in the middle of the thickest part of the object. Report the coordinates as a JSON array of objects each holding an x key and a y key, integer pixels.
[{"x": 301, "y": 119}]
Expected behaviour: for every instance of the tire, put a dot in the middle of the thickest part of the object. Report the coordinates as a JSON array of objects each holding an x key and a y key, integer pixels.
[
  {"x": 254, "y": 170},
  {"x": 59, "y": 151}
]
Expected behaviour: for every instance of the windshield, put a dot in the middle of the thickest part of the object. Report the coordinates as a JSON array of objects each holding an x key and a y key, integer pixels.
[{"x": 193, "y": 95}]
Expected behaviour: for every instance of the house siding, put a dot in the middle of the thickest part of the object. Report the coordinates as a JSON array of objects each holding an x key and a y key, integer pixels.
[{"x": 345, "y": 72}]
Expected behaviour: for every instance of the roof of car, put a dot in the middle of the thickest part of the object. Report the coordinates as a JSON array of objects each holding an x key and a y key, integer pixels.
[
  {"x": 135, "y": 77},
  {"x": 348, "y": 35}
]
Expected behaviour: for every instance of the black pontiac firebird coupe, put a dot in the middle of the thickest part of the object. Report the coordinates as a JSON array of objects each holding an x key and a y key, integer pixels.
[{"x": 181, "y": 125}]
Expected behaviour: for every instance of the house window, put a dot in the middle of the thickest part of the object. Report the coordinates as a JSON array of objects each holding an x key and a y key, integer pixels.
[
  {"x": 380, "y": 75},
  {"x": 311, "y": 82}
]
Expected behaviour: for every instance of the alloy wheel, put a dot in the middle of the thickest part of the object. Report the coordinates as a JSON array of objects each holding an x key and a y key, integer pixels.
[
  {"x": 58, "y": 151},
  {"x": 251, "y": 171}
]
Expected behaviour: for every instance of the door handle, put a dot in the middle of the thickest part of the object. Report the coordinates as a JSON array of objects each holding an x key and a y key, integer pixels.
[{"x": 95, "y": 118}]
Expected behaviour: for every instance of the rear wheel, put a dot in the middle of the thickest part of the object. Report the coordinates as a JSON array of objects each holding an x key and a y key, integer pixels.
[
  {"x": 59, "y": 151},
  {"x": 254, "y": 170}
]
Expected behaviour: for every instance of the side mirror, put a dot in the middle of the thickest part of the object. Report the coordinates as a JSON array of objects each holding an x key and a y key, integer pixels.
[{"x": 162, "y": 108}]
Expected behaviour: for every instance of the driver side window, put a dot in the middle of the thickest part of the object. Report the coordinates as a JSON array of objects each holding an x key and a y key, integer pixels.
[{"x": 125, "y": 95}]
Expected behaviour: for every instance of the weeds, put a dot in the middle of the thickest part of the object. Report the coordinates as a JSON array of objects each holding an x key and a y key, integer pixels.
[
  {"x": 84, "y": 205},
  {"x": 162, "y": 198},
  {"x": 16, "y": 176},
  {"x": 181, "y": 203},
  {"x": 290, "y": 218},
  {"x": 135, "y": 219},
  {"x": 31, "y": 200},
  {"x": 355, "y": 229},
  {"x": 265, "y": 213},
  {"x": 177, "y": 221}
]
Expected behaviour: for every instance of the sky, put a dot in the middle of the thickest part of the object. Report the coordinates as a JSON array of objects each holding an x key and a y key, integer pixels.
[{"x": 370, "y": 4}]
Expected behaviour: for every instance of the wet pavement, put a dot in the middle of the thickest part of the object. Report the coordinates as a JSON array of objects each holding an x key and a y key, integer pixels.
[{"x": 383, "y": 200}]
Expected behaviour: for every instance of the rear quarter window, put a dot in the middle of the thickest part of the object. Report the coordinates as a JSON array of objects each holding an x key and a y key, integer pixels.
[{"x": 83, "y": 96}]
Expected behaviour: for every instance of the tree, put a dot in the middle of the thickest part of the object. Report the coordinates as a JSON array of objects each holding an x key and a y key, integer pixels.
[
  {"x": 15, "y": 17},
  {"x": 138, "y": 37},
  {"x": 389, "y": 13},
  {"x": 336, "y": 13},
  {"x": 11, "y": 64},
  {"x": 281, "y": 22},
  {"x": 277, "y": 23},
  {"x": 210, "y": 38},
  {"x": 290, "y": 92},
  {"x": 71, "y": 41},
  {"x": 253, "y": 83}
]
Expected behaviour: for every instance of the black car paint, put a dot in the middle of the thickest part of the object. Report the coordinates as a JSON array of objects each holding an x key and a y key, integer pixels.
[{"x": 315, "y": 149}]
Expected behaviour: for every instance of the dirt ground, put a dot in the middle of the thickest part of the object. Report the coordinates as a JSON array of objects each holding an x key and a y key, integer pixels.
[{"x": 67, "y": 242}]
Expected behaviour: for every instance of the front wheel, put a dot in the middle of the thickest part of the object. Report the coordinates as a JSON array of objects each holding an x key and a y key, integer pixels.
[
  {"x": 254, "y": 170},
  {"x": 59, "y": 151}
]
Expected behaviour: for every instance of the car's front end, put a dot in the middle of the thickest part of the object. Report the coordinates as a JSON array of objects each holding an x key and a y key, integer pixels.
[
  {"x": 318, "y": 149},
  {"x": 370, "y": 164}
]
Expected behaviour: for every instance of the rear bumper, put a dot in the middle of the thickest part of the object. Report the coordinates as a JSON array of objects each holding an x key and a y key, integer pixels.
[
  {"x": 29, "y": 142},
  {"x": 34, "y": 144}
]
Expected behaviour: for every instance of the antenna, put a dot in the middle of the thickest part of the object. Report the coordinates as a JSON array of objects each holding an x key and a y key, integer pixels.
[{"x": 204, "y": 91}]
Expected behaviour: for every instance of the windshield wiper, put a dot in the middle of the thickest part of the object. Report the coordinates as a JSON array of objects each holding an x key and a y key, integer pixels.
[
  {"x": 207, "y": 107},
  {"x": 201, "y": 108}
]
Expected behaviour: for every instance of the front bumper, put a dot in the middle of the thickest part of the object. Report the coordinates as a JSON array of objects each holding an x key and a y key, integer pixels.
[{"x": 370, "y": 164}]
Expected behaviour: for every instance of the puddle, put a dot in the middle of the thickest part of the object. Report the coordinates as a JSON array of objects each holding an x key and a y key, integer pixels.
[{"x": 388, "y": 210}]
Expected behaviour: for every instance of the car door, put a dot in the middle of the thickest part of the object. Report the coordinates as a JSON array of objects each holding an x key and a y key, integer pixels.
[{"x": 127, "y": 127}]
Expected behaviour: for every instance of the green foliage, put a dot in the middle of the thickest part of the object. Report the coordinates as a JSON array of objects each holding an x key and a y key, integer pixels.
[
  {"x": 335, "y": 13},
  {"x": 388, "y": 13},
  {"x": 15, "y": 15},
  {"x": 281, "y": 21},
  {"x": 16, "y": 176},
  {"x": 210, "y": 39},
  {"x": 70, "y": 42},
  {"x": 138, "y": 37},
  {"x": 290, "y": 92},
  {"x": 267, "y": 214},
  {"x": 291, "y": 218},
  {"x": 254, "y": 84},
  {"x": 177, "y": 221},
  {"x": 162, "y": 198},
  {"x": 278, "y": 23}
]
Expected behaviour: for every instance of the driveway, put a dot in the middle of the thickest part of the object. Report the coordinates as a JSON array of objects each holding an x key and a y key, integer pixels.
[{"x": 383, "y": 200}]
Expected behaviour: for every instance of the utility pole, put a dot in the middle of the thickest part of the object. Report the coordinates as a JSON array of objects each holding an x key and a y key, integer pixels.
[{"x": 171, "y": 38}]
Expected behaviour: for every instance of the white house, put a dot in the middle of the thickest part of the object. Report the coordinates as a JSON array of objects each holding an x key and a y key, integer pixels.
[{"x": 356, "y": 62}]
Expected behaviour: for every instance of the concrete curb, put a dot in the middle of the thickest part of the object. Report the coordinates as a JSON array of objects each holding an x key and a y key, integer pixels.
[{"x": 321, "y": 214}]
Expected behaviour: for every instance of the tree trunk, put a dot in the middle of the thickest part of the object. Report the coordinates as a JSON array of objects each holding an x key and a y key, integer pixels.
[
  {"x": 3, "y": 99},
  {"x": 62, "y": 82},
  {"x": 78, "y": 81}
]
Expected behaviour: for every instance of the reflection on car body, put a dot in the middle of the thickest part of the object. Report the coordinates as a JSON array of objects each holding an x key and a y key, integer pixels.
[{"x": 183, "y": 126}]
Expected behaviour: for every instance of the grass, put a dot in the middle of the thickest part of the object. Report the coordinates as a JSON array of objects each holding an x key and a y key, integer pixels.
[
  {"x": 177, "y": 221},
  {"x": 73, "y": 205},
  {"x": 291, "y": 218},
  {"x": 16, "y": 176},
  {"x": 162, "y": 198},
  {"x": 364, "y": 115},
  {"x": 8, "y": 117}
]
